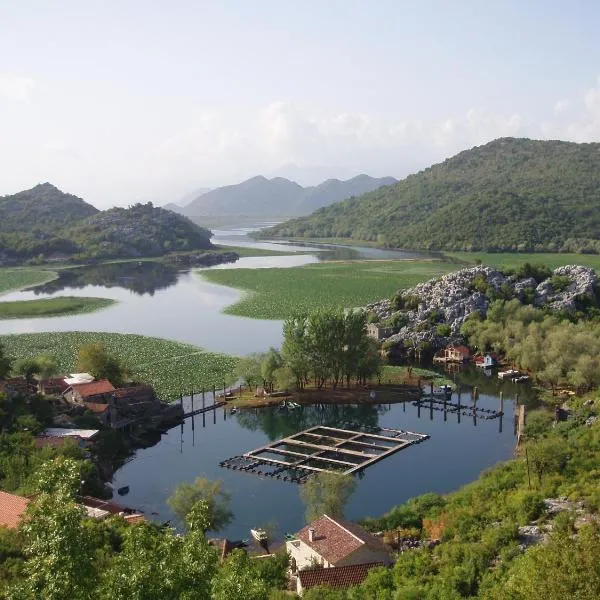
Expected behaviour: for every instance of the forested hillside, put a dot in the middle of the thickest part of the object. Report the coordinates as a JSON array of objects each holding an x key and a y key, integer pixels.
[
  {"x": 45, "y": 223},
  {"x": 511, "y": 194}
]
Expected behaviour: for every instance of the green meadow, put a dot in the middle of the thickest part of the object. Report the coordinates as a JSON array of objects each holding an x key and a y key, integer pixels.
[
  {"x": 510, "y": 259},
  {"x": 278, "y": 293}
]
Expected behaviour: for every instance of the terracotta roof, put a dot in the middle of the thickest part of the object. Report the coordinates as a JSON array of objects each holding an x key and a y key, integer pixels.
[
  {"x": 335, "y": 539},
  {"x": 85, "y": 390},
  {"x": 52, "y": 442},
  {"x": 11, "y": 509},
  {"x": 336, "y": 577},
  {"x": 129, "y": 514}
]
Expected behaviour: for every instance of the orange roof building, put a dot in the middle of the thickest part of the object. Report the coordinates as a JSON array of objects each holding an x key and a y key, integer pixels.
[
  {"x": 335, "y": 577},
  {"x": 333, "y": 542},
  {"x": 12, "y": 508}
]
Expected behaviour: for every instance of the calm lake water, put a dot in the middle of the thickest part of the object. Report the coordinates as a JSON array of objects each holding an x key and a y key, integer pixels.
[{"x": 158, "y": 300}]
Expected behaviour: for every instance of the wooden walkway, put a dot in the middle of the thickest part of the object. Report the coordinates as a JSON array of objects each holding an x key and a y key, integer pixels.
[
  {"x": 199, "y": 411},
  {"x": 323, "y": 449},
  {"x": 465, "y": 409}
]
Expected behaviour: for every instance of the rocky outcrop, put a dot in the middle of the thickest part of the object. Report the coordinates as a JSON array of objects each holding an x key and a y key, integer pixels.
[{"x": 436, "y": 310}]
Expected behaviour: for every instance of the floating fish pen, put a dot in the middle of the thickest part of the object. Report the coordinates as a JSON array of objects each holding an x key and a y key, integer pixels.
[
  {"x": 323, "y": 449},
  {"x": 453, "y": 407}
]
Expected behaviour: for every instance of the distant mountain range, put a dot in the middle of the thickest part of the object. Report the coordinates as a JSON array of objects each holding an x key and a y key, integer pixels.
[
  {"x": 45, "y": 223},
  {"x": 508, "y": 195},
  {"x": 276, "y": 197}
]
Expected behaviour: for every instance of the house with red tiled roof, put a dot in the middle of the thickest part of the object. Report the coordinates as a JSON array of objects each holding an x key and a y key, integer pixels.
[
  {"x": 334, "y": 542},
  {"x": 334, "y": 577},
  {"x": 12, "y": 508},
  {"x": 52, "y": 387},
  {"x": 99, "y": 392}
]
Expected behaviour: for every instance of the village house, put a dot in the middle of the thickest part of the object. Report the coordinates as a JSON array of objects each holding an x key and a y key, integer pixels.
[
  {"x": 453, "y": 354},
  {"x": 17, "y": 385},
  {"x": 334, "y": 577},
  {"x": 56, "y": 436},
  {"x": 95, "y": 391},
  {"x": 329, "y": 542},
  {"x": 487, "y": 361},
  {"x": 378, "y": 332}
]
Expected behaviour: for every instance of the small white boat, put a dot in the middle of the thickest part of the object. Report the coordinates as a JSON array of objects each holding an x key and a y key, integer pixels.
[
  {"x": 233, "y": 410},
  {"x": 521, "y": 379},
  {"x": 260, "y": 535},
  {"x": 442, "y": 390},
  {"x": 509, "y": 374}
]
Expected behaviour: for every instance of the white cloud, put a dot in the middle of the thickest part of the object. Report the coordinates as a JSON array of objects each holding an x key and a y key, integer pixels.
[
  {"x": 561, "y": 106},
  {"x": 17, "y": 88}
]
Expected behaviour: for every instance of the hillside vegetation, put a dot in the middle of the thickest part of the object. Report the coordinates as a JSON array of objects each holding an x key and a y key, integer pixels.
[
  {"x": 508, "y": 195},
  {"x": 45, "y": 223}
]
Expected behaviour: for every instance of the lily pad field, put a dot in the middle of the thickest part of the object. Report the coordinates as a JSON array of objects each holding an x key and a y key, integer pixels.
[
  {"x": 170, "y": 367},
  {"x": 52, "y": 307},
  {"x": 17, "y": 279},
  {"x": 279, "y": 293}
]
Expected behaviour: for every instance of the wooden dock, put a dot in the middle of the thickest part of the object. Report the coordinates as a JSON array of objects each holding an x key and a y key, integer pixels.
[
  {"x": 465, "y": 409},
  {"x": 204, "y": 409},
  {"x": 323, "y": 449}
]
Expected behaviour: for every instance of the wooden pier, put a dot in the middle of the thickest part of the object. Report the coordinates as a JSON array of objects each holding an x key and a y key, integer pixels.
[
  {"x": 465, "y": 409},
  {"x": 204, "y": 409},
  {"x": 323, "y": 449}
]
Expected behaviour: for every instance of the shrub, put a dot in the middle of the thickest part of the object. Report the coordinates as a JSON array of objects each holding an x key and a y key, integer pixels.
[{"x": 443, "y": 330}]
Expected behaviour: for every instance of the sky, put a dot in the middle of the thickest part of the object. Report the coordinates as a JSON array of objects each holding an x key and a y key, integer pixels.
[{"x": 120, "y": 101}]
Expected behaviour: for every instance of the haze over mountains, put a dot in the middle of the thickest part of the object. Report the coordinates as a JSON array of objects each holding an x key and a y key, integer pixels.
[
  {"x": 277, "y": 197},
  {"x": 512, "y": 194}
]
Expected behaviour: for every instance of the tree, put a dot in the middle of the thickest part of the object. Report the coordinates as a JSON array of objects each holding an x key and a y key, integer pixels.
[
  {"x": 47, "y": 365},
  {"x": 26, "y": 367},
  {"x": 59, "y": 553},
  {"x": 5, "y": 364},
  {"x": 186, "y": 495},
  {"x": 95, "y": 359},
  {"x": 238, "y": 578},
  {"x": 270, "y": 364},
  {"x": 327, "y": 493},
  {"x": 249, "y": 369}
]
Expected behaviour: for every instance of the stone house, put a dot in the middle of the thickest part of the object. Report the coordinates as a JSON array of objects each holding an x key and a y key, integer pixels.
[
  {"x": 378, "y": 332},
  {"x": 329, "y": 542},
  {"x": 458, "y": 353}
]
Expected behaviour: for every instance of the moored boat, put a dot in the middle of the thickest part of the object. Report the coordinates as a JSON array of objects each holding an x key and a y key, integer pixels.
[{"x": 260, "y": 535}]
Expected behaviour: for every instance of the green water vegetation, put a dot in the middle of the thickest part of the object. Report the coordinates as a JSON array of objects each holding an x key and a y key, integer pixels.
[
  {"x": 52, "y": 307},
  {"x": 508, "y": 195},
  {"x": 279, "y": 293},
  {"x": 170, "y": 367},
  {"x": 406, "y": 374},
  {"x": 17, "y": 279},
  {"x": 246, "y": 251},
  {"x": 514, "y": 260}
]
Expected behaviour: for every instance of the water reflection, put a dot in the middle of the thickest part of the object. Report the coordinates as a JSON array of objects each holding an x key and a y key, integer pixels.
[{"x": 144, "y": 277}]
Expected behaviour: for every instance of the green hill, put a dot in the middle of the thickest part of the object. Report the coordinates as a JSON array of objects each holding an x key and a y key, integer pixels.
[
  {"x": 45, "y": 223},
  {"x": 140, "y": 230},
  {"x": 511, "y": 194}
]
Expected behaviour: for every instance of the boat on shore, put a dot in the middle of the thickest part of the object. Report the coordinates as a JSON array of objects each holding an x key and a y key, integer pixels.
[
  {"x": 442, "y": 390},
  {"x": 508, "y": 374},
  {"x": 260, "y": 535}
]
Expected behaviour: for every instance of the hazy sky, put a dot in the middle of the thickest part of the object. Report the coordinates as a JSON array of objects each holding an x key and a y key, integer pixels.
[{"x": 120, "y": 101}]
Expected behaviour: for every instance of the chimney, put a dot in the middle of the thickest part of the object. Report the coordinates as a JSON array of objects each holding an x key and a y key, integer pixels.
[{"x": 311, "y": 534}]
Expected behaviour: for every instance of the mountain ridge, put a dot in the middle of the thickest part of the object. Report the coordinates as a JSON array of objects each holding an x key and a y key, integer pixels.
[{"x": 262, "y": 196}]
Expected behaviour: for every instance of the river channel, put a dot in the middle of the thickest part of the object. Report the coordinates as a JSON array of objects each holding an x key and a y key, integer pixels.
[{"x": 157, "y": 300}]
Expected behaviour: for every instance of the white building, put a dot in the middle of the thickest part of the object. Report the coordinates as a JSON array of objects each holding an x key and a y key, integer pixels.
[{"x": 330, "y": 542}]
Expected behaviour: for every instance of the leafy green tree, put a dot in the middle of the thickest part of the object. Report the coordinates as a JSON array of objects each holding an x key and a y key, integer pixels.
[
  {"x": 95, "y": 359},
  {"x": 187, "y": 494},
  {"x": 238, "y": 578},
  {"x": 26, "y": 367},
  {"x": 327, "y": 493},
  {"x": 270, "y": 364},
  {"x": 5, "y": 363},
  {"x": 249, "y": 369},
  {"x": 47, "y": 365}
]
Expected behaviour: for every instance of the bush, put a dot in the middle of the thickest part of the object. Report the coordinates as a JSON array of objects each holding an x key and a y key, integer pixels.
[
  {"x": 443, "y": 330},
  {"x": 560, "y": 283}
]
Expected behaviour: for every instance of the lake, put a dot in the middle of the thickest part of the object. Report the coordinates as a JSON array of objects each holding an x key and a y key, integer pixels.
[{"x": 159, "y": 300}]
